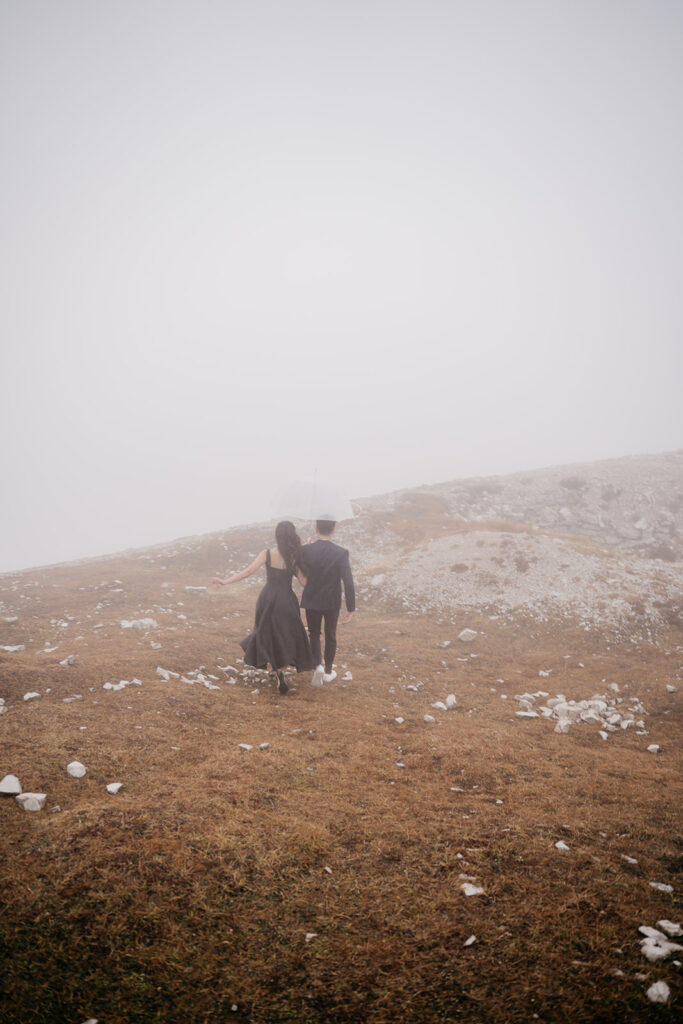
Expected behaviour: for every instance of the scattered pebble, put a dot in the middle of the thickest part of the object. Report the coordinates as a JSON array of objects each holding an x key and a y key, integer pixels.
[
  {"x": 653, "y": 748},
  {"x": 671, "y": 928},
  {"x": 470, "y": 942},
  {"x": 656, "y": 945},
  {"x": 114, "y": 787},
  {"x": 661, "y": 887},
  {"x": 10, "y": 786},
  {"x": 122, "y": 685},
  {"x": 76, "y": 770},
  {"x": 471, "y": 890},
  {"x": 31, "y": 801},
  {"x": 31, "y": 696},
  {"x": 659, "y": 992},
  {"x": 561, "y": 845}
]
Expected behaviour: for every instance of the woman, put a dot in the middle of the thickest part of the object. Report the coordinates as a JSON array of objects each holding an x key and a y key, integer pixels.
[{"x": 278, "y": 638}]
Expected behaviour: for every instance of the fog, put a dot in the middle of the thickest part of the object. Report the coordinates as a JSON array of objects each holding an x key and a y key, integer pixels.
[{"x": 393, "y": 242}]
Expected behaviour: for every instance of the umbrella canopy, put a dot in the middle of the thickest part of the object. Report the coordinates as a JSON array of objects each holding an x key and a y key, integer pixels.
[{"x": 313, "y": 498}]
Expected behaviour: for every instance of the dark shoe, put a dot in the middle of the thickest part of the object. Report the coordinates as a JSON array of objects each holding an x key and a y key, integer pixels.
[{"x": 282, "y": 685}]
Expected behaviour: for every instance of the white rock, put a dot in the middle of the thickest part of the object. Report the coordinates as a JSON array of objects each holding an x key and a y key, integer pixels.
[
  {"x": 13, "y": 650},
  {"x": 122, "y": 685},
  {"x": 653, "y": 950},
  {"x": 347, "y": 677},
  {"x": 661, "y": 887},
  {"x": 652, "y": 933},
  {"x": 440, "y": 706},
  {"x": 560, "y": 845},
  {"x": 10, "y": 786},
  {"x": 198, "y": 590},
  {"x": 76, "y": 770},
  {"x": 166, "y": 674},
  {"x": 399, "y": 720},
  {"x": 114, "y": 787},
  {"x": 467, "y": 635},
  {"x": 471, "y": 890},
  {"x": 32, "y": 801},
  {"x": 603, "y": 735},
  {"x": 545, "y": 673},
  {"x": 245, "y": 746},
  {"x": 470, "y": 942},
  {"x": 670, "y": 688},
  {"x": 671, "y": 928},
  {"x": 31, "y": 696},
  {"x": 451, "y": 701},
  {"x": 139, "y": 624},
  {"x": 629, "y": 860},
  {"x": 527, "y": 714},
  {"x": 310, "y": 936},
  {"x": 659, "y": 992},
  {"x": 71, "y": 660},
  {"x": 653, "y": 748},
  {"x": 445, "y": 643},
  {"x": 264, "y": 746},
  {"x": 564, "y": 725},
  {"x": 429, "y": 719}
]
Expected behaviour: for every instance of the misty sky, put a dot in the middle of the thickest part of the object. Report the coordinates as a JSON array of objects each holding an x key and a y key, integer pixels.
[{"x": 395, "y": 242}]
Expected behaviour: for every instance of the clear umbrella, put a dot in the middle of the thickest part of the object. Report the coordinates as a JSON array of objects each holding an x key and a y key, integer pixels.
[{"x": 313, "y": 498}]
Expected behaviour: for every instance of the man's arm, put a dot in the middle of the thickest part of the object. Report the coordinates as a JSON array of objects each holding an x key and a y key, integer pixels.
[{"x": 349, "y": 589}]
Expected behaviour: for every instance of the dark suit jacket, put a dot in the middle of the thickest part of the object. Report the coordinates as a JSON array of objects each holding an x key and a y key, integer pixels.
[{"x": 327, "y": 566}]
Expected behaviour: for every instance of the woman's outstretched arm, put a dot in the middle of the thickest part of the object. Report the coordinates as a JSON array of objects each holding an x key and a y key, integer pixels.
[{"x": 249, "y": 571}]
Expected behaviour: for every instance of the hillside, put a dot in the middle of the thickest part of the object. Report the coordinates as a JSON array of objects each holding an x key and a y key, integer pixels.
[{"x": 309, "y": 858}]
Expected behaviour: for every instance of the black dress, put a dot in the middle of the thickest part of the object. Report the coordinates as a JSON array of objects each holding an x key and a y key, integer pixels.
[{"x": 278, "y": 637}]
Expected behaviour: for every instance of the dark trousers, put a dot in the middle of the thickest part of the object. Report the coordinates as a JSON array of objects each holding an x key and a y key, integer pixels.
[{"x": 314, "y": 620}]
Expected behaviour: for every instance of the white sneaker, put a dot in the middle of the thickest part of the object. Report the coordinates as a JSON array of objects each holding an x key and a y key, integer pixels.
[
  {"x": 318, "y": 676},
  {"x": 329, "y": 676}
]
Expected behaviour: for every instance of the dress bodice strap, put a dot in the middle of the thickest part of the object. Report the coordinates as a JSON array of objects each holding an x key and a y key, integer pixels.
[{"x": 268, "y": 557}]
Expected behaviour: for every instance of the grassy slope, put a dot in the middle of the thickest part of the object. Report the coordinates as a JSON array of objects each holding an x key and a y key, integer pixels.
[{"x": 194, "y": 889}]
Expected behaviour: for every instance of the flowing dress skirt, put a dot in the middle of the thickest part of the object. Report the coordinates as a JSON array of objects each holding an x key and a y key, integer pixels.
[{"x": 278, "y": 638}]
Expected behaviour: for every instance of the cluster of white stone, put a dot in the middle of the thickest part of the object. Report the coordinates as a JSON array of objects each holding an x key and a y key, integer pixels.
[{"x": 605, "y": 710}]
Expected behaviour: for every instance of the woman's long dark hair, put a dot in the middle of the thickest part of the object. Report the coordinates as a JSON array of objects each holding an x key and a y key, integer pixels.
[{"x": 289, "y": 546}]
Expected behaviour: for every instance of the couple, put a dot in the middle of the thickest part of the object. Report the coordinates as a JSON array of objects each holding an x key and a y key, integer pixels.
[{"x": 278, "y": 638}]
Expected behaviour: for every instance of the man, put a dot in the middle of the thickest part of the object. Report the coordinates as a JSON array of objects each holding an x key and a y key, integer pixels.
[{"x": 327, "y": 567}]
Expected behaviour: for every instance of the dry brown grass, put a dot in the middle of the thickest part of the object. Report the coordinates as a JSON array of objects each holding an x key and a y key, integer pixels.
[{"x": 193, "y": 890}]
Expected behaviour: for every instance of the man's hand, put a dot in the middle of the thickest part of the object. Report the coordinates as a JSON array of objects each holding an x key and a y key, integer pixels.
[
  {"x": 217, "y": 579},
  {"x": 347, "y": 618}
]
